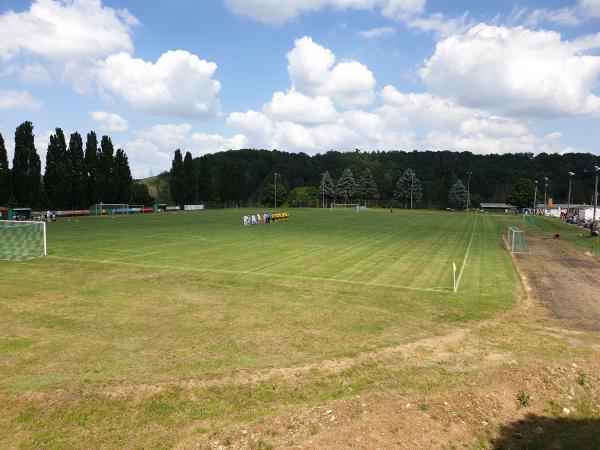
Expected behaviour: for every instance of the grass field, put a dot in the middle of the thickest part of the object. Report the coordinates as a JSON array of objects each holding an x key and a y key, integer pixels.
[{"x": 135, "y": 330}]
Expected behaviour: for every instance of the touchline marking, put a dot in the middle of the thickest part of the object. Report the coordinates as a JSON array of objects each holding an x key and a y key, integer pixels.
[
  {"x": 466, "y": 254},
  {"x": 245, "y": 272}
]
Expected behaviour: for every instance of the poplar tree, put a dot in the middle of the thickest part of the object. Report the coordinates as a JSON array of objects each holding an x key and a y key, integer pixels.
[
  {"x": 78, "y": 172},
  {"x": 408, "y": 188},
  {"x": 326, "y": 188},
  {"x": 177, "y": 178},
  {"x": 26, "y": 171},
  {"x": 57, "y": 181},
  {"x": 5, "y": 182},
  {"x": 91, "y": 165},
  {"x": 346, "y": 186},
  {"x": 105, "y": 163},
  {"x": 190, "y": 184},
  {"x": 122, "y": 177}
]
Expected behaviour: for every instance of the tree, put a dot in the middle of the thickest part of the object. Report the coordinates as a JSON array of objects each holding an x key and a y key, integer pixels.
[
  {"x": 458, "y": 196},
  {"x": 326, "y": 188},
  {"x": 140, "y": 195},
  {"x": 26, "y": 171},
  {"x": 122, "y": 178},
  {"x": 5, "y": 182},
  {"x": 408, "y": 188},
  {"x": 303, "y": 196},
  {"x": 91, "y": 165},
  {"x": 78, "y": 175},
  {"x": 177, "y": 179},
  {"x": 444, "y": 186},
  {"x": 367, "y": 188},
  {"x": 105, "y": 180},
  {"x": 522, "y": 193},
  {"x": 57, "y": 180},
  {"x": 268, "y": 193},
  {"x": 190, "y": 183},
  {"x": 346, "y": 186}
]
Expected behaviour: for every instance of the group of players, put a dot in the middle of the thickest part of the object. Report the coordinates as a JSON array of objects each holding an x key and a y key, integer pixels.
[{"x": 257, "y": 219}]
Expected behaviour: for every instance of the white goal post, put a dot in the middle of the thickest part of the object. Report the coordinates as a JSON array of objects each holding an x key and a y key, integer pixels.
[
  {"x": 516, "y": 240},
  {"x": 22, "y": 240},
  {"x": 346, "y": 206}
]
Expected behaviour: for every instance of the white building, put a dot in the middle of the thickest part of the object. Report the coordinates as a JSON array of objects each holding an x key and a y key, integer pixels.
[{"x": 583, "y": 211}]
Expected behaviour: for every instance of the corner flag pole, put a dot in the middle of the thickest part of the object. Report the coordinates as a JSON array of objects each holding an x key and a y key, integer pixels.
[{"x": 454, "y": 273}]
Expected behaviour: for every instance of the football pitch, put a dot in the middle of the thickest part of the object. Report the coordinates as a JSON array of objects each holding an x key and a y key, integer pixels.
[{"x": 135, "y": 329}]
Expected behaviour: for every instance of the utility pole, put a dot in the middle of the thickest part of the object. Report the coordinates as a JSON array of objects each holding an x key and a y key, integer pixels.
[
  {"x": 545, "y": 200},
  {"x": 275, "y": 189},
  {"x": 569, "y": 199},
  {"x": 593, "y": 227},
  {"x": 469, "y": 173},
  {"x": 412, "y": 182},
  {"x": 535, "y": 199}
]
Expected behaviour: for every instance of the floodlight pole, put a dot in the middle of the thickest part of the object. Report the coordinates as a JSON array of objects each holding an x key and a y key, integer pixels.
[
  {"x": 275, "y": 189},
  {"x": 469, "y": 173},
  {"x": 412, "y": 181},
  {"x": 535, "y": 199},
  {"x": 545, "y": 201},
  {"x": 569, "y": 199},
  {"x": 593, "y": 227}
]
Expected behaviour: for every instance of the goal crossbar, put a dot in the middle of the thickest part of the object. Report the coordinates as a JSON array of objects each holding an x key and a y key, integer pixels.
[{"x": 516, "y": 240}]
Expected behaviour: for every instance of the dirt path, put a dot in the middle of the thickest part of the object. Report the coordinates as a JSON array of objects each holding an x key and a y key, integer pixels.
[{"x": 563, "y": 280}]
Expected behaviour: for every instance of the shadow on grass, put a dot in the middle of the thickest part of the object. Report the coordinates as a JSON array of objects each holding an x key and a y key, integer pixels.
[{"x": 538, "y": 432}]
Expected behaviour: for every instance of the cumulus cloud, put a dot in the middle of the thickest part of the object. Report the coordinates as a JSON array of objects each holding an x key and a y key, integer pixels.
[
  {"x": 313, "y": 72},
  {"x": 294, "y": 106},
  {"x": 110, "y": 122},
  {"x": 17, "y": 100},
  {"x": 516, "y": 71},
  {"x": 277, "y": 12},
  {"x": 178, "y": 84},
  {"x": 65, "y": 29}
]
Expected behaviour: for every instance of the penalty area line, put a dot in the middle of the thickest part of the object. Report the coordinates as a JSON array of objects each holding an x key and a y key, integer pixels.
[
  {"x": 246, "y": 272},
  {"x": 460, "y": 274}
]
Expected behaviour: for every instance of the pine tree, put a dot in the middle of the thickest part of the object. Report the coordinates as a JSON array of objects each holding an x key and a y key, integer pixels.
[
  {"x": 177, "y": 179},
  {"x": 190, "y": 184},
  {"x": 106, "y": 186},
  {"x": 326, "y": 188},
  {"x": 5, "y": 182},
  {"x": 78, "y": 175},
  {"x": 346, "y": 186},
  {"x": 367, "y": 188},
  {"x": 122, "y": 177},
  {"x": 457, "y": 197},
  {"x": 26, "y": 171},
  {"x": 408, "y": 188},
  {"x": 57, "y": 180},
  {"x": 91, "y": 165}
]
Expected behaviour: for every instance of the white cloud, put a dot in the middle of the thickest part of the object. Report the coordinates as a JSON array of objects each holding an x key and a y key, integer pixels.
[
  {"x": 574, "y": 15},
  {"x": 296, "y": 107},
  {"x": 110, "y": 122},
  {"x": 378, "y": 32},
  {"x": 28, "y": 73},
  {"x": 516, "y": 71},
  {"x": 313, "y": 72},
  {"x": 440, "y": 24},
  {"x": 65, "y": 29},
  {"x": 179, "y": 84},
  {"x": 277, "y": 12},
  {"x": 256, "y": 126},
  {"x": 17, "y": 100}
]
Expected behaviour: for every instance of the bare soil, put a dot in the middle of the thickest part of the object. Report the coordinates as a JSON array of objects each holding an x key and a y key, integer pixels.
[{"x": 563, "y": 280}]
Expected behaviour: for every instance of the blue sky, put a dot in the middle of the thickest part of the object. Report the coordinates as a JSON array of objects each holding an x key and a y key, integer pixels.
[{"x": 303, "y": 75}]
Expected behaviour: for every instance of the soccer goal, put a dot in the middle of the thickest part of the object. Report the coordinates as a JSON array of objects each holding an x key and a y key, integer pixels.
[
  {"x": 516, "y": 241},
  {"x": 345, "y": 206},
  {"x": 109, "y": 209},
  {"x": 20, "y": 240}
]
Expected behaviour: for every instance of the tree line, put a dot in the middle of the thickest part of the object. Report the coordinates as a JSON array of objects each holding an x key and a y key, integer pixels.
[
  {"x": 429, "y": 179},
  {"x": 75, "y": 176}
]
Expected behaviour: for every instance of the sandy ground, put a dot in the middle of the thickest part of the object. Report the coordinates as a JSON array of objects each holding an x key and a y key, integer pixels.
[
  {"x": 562, "y": 280},
  {"x": 561, "y": 309}
]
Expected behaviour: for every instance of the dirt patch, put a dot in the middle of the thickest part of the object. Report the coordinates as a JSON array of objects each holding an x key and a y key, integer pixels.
[{"x": 563, "y": 280}]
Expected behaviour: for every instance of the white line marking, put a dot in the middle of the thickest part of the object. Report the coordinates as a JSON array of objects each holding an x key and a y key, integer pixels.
[
  {"x": 466, "y": 254},
  {"x": 239, "y": 272}
]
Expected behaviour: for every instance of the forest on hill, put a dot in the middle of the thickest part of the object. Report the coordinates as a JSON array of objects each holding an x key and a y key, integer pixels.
[{"x": 246, "y": 177}]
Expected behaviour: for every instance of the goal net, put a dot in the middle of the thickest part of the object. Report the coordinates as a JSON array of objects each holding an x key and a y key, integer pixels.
[
  {"x": 345, "y": 206},
  {"x": 20, "y": 240},
  {"x": 516, "y": 240}
]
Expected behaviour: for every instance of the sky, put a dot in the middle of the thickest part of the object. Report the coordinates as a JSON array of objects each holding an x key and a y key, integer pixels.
[{"x": 303, "y": 75}]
